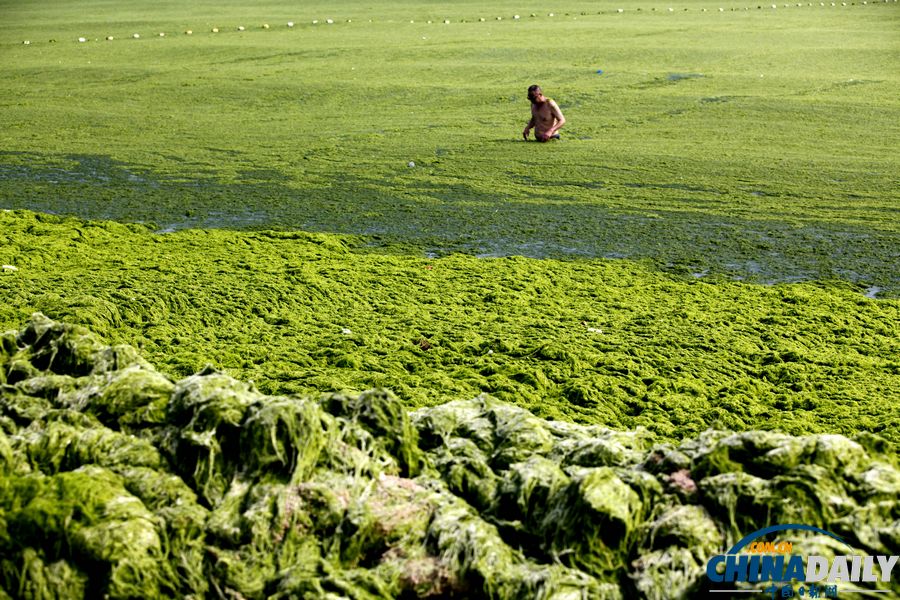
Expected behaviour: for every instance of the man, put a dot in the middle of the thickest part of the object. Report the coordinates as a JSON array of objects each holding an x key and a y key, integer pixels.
[{"x": 546, "y": 118}]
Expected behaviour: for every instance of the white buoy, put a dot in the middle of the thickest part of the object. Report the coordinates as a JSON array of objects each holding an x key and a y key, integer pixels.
[
  {"x": 27, "y": 42},
  {"x": 621, "y": 10},
  {"x": 410, "y": 164},
  {"x": 481, "y": 19},
  {"x": 446, "y": 21},
  {"x": 315, "y": 21},
  {"x": 516, "y": 17},
  {"x": 215, "y": 30},
  {"x": 329, "y": 21},
  {"x": 81, "y": 39},
  {"x": 550, "y": 15},
  {"x": 109, "y": 38},
  {"x": 136, "y": 36},
  {"x": 162, "y": 34},
  {"x": 265, "y": 25},
  {"x": 290, "y": 23},
  {"x": 188, "y": 32},
  {"x": 240, "y": 27}
]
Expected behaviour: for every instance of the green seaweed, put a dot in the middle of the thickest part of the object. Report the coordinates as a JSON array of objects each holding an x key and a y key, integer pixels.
[
  {"x": 383, "y": 416},
  {"x": 652, "y": 350},
  {"x": 88, "y": 518},
  {"x": 238, "y": 493},
  {"x": 38, "y": 580},
  {"x": 282, "y": 437},
  {"x": 765, "y": 152},
  {"x": 593, "y": 425}
]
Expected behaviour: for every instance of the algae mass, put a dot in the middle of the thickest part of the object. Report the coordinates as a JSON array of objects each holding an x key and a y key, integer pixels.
[
  {"x": 116, "y": 481},
  {"x": 614, "y": 343}
]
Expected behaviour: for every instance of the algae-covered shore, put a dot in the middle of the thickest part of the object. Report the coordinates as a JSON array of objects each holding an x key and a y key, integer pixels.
[
  {"x": 605, "y": 342},
  {"x": 289, "y": 310},
  {"x": 561, "y": 429},
  {"x": 116, "y": 481}
]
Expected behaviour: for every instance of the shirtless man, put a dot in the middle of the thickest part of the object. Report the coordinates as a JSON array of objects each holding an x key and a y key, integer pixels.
[{"x": 546, "y": 118}]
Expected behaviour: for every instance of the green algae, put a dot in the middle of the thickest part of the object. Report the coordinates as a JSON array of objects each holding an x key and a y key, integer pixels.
[
  {"x": 91, "y": 509},
  {"x": 681, "y": 159},
  {"x": 385, "y": 418},
  {"x": 86, "y": 516},
  {"x": 765, "y": 152},
  {"x": 612, "y": 343}
]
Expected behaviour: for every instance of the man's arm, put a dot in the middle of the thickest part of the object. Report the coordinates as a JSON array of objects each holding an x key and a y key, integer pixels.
[
  {"x": 560, "y": 119},
  {"x": 528, "y": 127}
]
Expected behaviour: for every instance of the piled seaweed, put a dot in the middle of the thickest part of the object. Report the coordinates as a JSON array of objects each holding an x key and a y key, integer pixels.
[{"x": 117, "y": 482}]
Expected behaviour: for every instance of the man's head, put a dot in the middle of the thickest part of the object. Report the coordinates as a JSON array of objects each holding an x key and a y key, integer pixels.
[{"x": 535, "y": 95}]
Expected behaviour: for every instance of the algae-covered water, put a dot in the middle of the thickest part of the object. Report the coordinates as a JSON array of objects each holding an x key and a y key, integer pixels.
[{"x": 758, "y": 143}]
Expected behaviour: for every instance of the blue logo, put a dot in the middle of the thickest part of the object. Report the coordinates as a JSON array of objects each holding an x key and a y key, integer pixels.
[{"x": 754, "y": 561}]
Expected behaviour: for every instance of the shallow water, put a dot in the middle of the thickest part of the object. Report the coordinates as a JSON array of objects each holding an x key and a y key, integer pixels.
[{"x": 442, "y": 219}]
